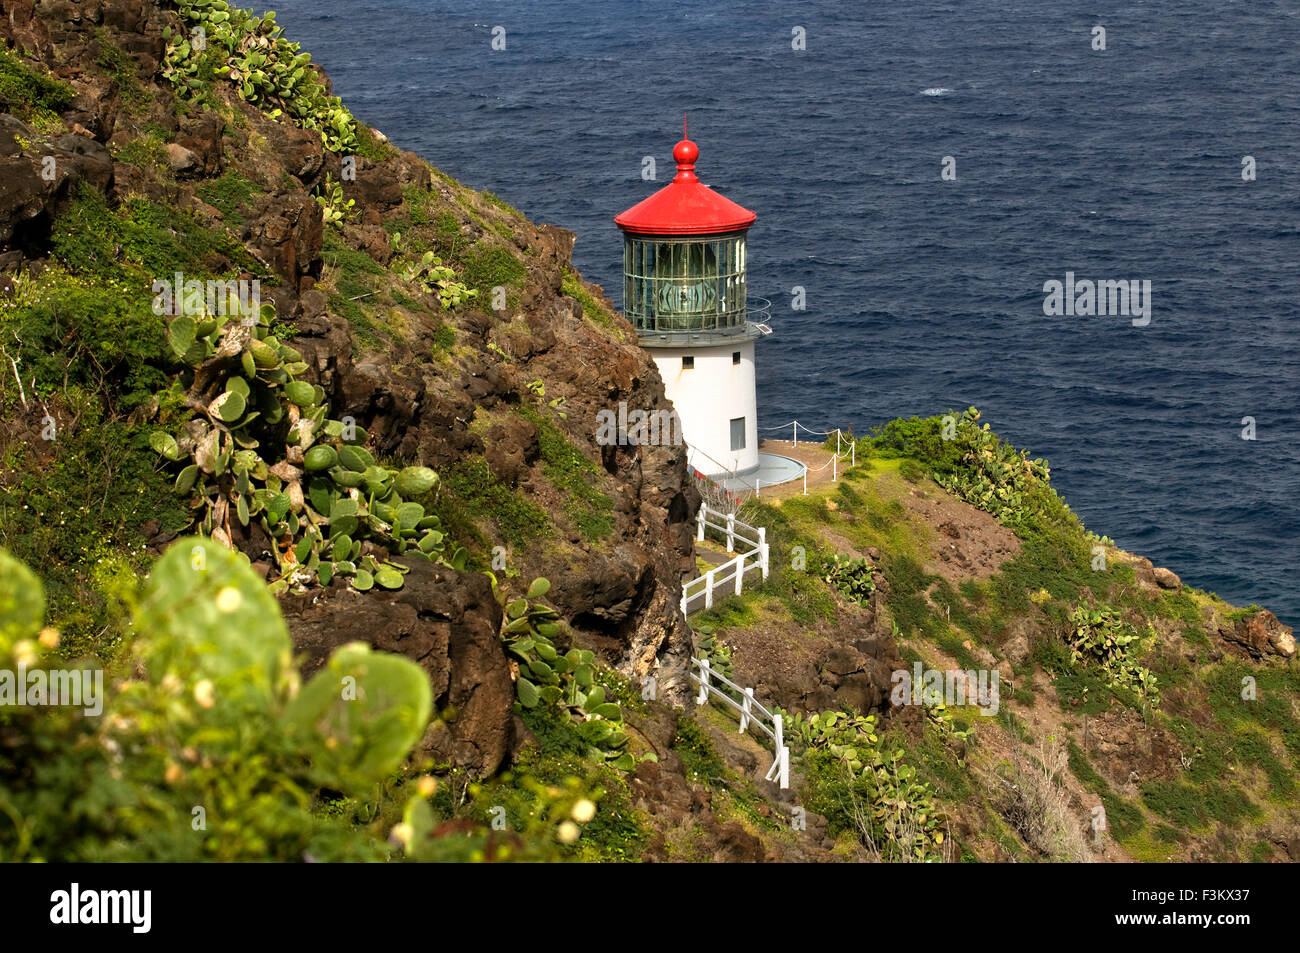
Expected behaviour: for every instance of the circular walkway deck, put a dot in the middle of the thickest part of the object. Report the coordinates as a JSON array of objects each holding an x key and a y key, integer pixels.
[{"x": 773, "y": 469}]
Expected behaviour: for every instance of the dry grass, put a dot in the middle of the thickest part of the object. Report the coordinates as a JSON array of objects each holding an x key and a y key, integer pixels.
[{"x": 1036, "y": 804}]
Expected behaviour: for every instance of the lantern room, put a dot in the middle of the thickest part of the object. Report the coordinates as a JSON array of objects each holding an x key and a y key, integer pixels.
[{"x": 684, "y": 290}]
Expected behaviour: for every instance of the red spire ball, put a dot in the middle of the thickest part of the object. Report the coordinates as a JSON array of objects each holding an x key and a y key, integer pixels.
[{"x": 685, "y": 153}]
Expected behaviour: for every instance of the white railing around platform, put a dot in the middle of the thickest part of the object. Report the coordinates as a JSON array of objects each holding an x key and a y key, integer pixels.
[
  {"x": 751, "y": 713},
  {"x": 846, "y": 448}
]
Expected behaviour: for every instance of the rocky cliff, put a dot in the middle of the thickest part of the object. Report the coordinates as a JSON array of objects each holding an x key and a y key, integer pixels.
[
  {"x": 126, "y": 157},
  {"x": 447, "y": 388}
]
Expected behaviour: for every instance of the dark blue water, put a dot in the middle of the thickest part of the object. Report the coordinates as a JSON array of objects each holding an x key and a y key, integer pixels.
[{"x": 925, "y": 295}]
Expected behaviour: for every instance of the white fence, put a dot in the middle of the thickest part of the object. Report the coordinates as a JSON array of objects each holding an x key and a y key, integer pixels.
[
  {"x": 698, "y": 594},
  {"x": 751, "y": 712},
  {"x": 730, "y": 576}
]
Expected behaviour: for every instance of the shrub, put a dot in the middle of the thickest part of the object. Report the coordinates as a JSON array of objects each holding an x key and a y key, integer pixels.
[
  {"x": 1100, "y": 637},
  {"x": 213, "y": 753},
  {"x": 28, "y": 93},
  {"x": 265, "y": 69},
  {"x": 852, "y": 577},
  {"x": 263, "y": 450}
]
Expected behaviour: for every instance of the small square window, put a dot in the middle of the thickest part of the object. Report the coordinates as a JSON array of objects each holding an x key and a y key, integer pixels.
[
  {"x": 688, "y": 363},
  {"x": 735, "y": 357},
  {"x": 738, "y": 433}
]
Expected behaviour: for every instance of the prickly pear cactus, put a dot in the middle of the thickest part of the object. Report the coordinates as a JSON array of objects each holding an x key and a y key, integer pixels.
[
  {"x": 261, "y": 449},
  {"x": 360, "y": 715},
  {"x": 205, "y": 616},
  {"x": 22, "y": 603},
  {"x": 547, "y": 677}
]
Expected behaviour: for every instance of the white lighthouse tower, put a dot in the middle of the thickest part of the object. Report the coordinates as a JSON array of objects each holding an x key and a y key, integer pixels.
[{"x": 684, "y": 292}]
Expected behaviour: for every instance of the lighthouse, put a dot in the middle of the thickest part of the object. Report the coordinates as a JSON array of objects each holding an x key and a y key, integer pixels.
[{"x": 684, "y": 291}]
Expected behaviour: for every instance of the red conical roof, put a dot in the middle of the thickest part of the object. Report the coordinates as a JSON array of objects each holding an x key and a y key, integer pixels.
[{"x": 684, "y": 206}]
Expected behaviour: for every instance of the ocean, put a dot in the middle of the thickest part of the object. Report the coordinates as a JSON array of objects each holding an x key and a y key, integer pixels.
[{"x": 925, "y": 293}]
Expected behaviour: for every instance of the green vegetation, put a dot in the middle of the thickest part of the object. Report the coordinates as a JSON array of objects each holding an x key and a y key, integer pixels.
[
  {"x": 480, "y": 496},
  {"x": 263, "y": 450},
  {"x": 335, "y": 209},
  {"x": 1100, "y": 637},
  {"x": 591, "y": 511},
  {"x": 147, "y": 152},
  {"x": 489, "y": 266},
  {"x": 228, "y": 194},
  {"x": 31, "y": 95},
  {"x": 591, "y": 309},
  {"x": 79, "y": 485},
  {"x": 432, "y": 276},
  {"x": 852, "y": 577},
  {"x": 265, "y": 69},
  {"x": 548, "y": 678},
  {"x": 699, "y": 757},
  {"x": 861, "y": 784},
  {"x": 219, "y": 754},
  {"x": 114, "y": 61}
]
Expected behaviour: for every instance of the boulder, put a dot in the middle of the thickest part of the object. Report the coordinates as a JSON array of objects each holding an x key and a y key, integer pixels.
[
  {"x": 448, "y": 622},
  {"x": 1166, "y": 578},
  {"x": 1261, "y": 635}
]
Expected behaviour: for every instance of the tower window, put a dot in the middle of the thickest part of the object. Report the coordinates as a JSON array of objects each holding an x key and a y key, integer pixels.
[
  {"x": 735, "y": 357},
  {"x": 738, "y": 433},
  {"x": 688, "y": 363}
]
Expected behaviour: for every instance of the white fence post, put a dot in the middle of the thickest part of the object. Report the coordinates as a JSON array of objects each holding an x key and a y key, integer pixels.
[
  {"x": 853, "y": 453},
  {"x": 731, "y": 532},
  {"x": 684, "y": 601},
  {"x": 762, "y": 550},
  {"x": 699, "y": 522},
  {"x": 704, "y": 682},
  {"x": 796, "y": 434},
  {"x": 708, "y": 589},
  {"x": 835, "y": 468},
  {"x": 745, "y": 709},
  {"x": 782, "y": 752},
  {"x": 740, "y": 575}
]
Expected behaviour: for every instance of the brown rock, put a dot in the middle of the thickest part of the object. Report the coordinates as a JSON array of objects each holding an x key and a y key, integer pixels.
[
  {"x": 1167, "y": 578},
  {"x": 180, "y": 159},
  {"x": 448, "y": 622},
  {"x": 1261, "y": 635}
]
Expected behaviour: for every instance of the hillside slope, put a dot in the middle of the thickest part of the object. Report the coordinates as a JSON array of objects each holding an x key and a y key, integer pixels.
[{"x": 413, "y": 407}]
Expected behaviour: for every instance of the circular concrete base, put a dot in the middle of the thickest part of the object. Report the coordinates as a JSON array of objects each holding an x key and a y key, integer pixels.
[{"x": 772, "y": 469}]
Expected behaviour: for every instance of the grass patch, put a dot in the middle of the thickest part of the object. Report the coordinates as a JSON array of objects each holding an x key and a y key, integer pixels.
[
  {"x": 517, "y": 519},
  {"x": 228, "y": 193},
  {"x": 590, "y": 510},
  {"x": 489, "y": 266},
  {"x": 33, "y": 96}
]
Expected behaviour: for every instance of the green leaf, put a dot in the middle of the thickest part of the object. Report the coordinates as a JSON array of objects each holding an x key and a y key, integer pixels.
[
  {"x": 164, "y": 444},
  {"x": 529, "y": 695},
  {"x": 22, "y": 602},
  {"x": 360, "y": 716},
  {"x": 205, "y": 614}
]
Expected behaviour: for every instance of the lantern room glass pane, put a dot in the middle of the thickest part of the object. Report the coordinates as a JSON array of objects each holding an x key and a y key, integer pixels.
[{"x": 684, "y": 285}]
